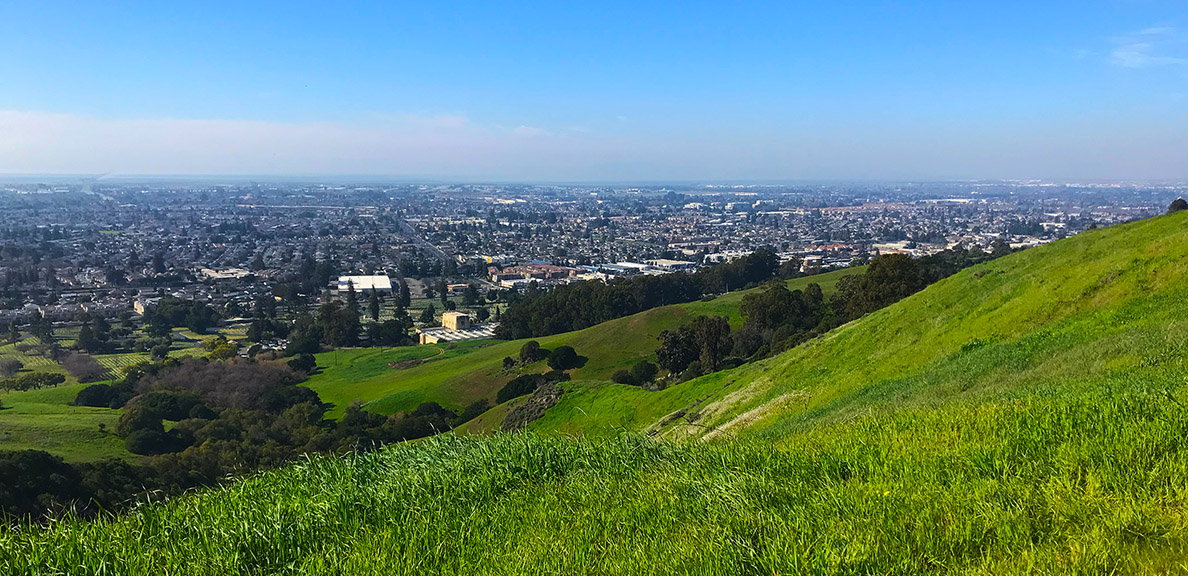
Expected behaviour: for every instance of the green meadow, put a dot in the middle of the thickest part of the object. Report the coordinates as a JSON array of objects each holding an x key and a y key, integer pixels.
[
  {"x": 1025, "y": 416},
  {"x": 45, "y": 420},
  {"x": 459, "y": 374}
]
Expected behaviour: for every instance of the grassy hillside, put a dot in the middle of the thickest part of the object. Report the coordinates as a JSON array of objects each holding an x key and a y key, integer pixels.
[
  {"x": 1024, "y": 416},
  {"x": 455, "y": 377},
  {"x": 45, "y": 420}
]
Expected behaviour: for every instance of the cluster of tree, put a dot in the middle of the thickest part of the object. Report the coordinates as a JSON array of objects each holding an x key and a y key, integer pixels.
[
  {"x": 94, "y": 336},
  {"x": 640, "y": 374},
  {"x": 576, "y": 306},
  {"x": 1177, "y": 205},
  {"x": 337, "y": 324},
  {"x": 172, "y": 312},
  {"x": 225, "y": 418},
  {"x": 776, "y": 318},
  {"x": 696, "y": 348},
  {"x": 32, "y": 381},
  {"x": 528, "y": 383},
  {"x": 560, "y": 358}
]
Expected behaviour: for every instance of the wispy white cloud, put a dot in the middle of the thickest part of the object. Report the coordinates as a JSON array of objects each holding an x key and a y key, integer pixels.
[{"x": 1149, "y": 48}]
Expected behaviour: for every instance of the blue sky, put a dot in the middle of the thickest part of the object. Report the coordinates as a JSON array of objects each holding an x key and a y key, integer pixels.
[{"x": 598, "y": 91}]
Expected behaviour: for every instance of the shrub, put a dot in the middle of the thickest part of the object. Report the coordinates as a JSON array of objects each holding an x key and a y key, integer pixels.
[
  {"x": 623, "y": 377},
  {"x": 644, "y": 371},
  {"x": 519, "y": 386},
  {"x": 96, "y": 395},
  {"x": 532, "y": 352},
  {"x": 84, "y": 367},
  {"x": 137, "y": 417},
  {"x": 303, "y": 363},
  {"x": 508, "y": 363},
  {"x": 151, "y": 442},
  {"x": 10, "y": 366},
  {"x": 1177, "y": 205},
  {"x": 563, "y": 358},
  {"x": 473, "y": 411}
]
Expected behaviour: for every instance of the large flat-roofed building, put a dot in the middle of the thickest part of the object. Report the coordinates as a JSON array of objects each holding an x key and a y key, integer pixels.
[
  {"x": 672, "y": 265},
  {"x": 380, "y": 282},
  {"x": 443, "y": 334}
]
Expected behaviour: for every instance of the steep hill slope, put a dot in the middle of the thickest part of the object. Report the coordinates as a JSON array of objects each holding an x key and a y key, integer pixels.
[
  {"x": 455, "y": 377},
  {"x": 1107, "y": 302},
  {"x": 1024, "y": 416}
]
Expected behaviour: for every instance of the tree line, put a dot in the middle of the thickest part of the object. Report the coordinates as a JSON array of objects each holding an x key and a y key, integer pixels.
[
  {"x": 776, "y": 318},
  {"x": 581, "y": 305},
  {"x": 197, "y": 422}
]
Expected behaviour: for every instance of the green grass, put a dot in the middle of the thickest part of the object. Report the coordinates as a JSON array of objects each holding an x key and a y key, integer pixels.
[
  {"x": 1025, "y": 416},
  {"x": 44, "y": 420},
  {"x": 469, "y": 373},
  {"x": 1058, "y": 485}
]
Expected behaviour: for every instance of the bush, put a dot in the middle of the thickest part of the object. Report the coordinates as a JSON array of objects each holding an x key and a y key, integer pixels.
[
  {"x": 644, "y": 371},
  {"x": 473, "y": 411},
  {"x": 1177, "y": 205},
  {"x": 532, "y": 352},
  {"x": 10, "y": 366},
  {"x": 136, "y": 417},
  {"x": 168, "y": 404},
  {"x": 303, "y": 363},
  {"x": 563, "y": 358},
  {"x": 151, "y": 443},
  {"x": 95, "y": 395},
  {"x": 508, "y": 363},
  {"x": 623, "y": 377},
  {"x": 84, "y": 367},
  {"x": 519, "y": 386}
]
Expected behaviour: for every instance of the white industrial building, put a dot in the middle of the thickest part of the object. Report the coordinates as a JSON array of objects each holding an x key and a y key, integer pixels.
[{"x": 380, "y": 282}]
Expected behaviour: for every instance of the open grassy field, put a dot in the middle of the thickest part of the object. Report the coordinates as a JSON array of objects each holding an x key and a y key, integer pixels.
[
  {"x": 44, "y": 420},
  {"x": 1025, "y": 416},
  {"x": 475, "y": 370}
]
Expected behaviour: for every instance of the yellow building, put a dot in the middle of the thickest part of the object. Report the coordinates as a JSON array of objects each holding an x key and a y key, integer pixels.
[{"x": 455, "y": 321}]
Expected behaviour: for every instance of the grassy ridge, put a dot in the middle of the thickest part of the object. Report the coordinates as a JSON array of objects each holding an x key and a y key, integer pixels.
[
  {"x": 1083, "y": 484},
  {"x": 474, "y": 369},
  {"x": 1081, "y": 309},
  {"x": 1024, "y": 416}
]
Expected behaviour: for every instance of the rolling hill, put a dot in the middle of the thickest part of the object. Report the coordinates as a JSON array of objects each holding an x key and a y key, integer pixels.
[
  {"x": 456, "y": 376},
  {"x": 1023, "y": 416}
]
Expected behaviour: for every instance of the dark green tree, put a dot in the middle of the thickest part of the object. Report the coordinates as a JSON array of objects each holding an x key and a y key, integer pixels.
[
  {"x": 443, "y": 291},
  {"x": 563, "y": 358},
  {"x": 352, "y": 298},
  {"x": 428, "y": 316},
  {"x": 86, "y": 338},
  {"x": 713, "y": 338},
  {"x": 373, "y": 305},
  {"x": 405, "y": 294},
  {"x": 1177, "y": 205}
]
